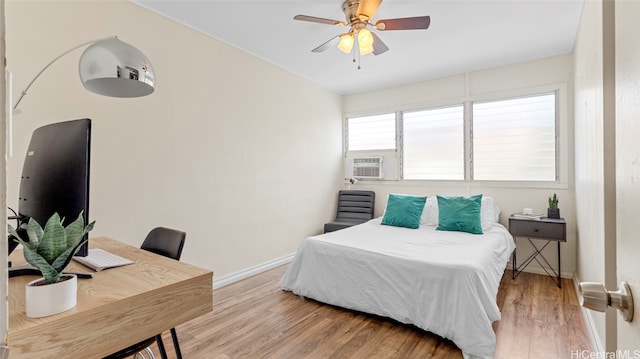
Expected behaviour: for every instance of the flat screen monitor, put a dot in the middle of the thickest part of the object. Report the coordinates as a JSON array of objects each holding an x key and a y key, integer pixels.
[{"x": 55, "y": 175}]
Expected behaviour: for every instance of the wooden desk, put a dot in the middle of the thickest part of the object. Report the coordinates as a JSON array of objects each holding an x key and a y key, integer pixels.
[{"x": 116, "y": 308}]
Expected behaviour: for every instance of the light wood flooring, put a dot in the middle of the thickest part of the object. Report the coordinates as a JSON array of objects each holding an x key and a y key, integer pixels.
[{"x": 255, "y": 319}]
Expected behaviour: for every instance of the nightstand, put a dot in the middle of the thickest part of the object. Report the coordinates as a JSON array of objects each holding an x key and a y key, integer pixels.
[{"x": 547, "y": 229}]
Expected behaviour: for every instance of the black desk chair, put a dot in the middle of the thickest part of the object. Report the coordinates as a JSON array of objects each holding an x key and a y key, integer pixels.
[
  {"x": 169, "y": 243},
  {"x": 354, "y": 207}
]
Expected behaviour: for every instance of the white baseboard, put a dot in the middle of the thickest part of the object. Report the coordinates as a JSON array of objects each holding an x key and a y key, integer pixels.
[
  {"x": 588, "y": 321},
  {"x": 535, "y": 268},
  {"x": 246, "y": 273}
]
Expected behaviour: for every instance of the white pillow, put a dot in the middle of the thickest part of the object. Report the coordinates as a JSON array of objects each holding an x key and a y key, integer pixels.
[
  {"x": 430, "y": 212},
  {"x": 489, "y": 212}
]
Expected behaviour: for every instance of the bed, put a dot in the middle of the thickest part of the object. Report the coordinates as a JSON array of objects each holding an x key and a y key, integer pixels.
[{"x": 444, "y": 282}]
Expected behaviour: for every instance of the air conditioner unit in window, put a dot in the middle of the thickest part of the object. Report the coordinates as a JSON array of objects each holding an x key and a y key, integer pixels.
[{"x": 368, "y": 168}]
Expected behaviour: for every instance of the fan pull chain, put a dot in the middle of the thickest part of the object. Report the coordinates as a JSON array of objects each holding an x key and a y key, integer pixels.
[
  {"x": 356, "y": 48},
  {"x": 354, "y": 58}
]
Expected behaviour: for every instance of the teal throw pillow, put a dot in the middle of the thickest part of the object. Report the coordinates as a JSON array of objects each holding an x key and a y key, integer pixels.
[
  {"x": 460, "y": 214},
  {"x": 403, "y": 211}
]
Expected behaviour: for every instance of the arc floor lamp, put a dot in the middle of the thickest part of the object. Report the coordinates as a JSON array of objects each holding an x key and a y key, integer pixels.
[{"x": 108, "y": 67}]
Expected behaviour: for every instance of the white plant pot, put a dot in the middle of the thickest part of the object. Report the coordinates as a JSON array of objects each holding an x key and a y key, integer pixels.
[{"x": 50, "y": 299}]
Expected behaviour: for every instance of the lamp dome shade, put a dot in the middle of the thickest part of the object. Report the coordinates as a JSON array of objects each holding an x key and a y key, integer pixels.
[{"x": 114, "y": 68}]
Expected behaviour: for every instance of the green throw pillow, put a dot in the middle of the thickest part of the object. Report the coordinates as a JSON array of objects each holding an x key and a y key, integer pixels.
[
  {"x": 403, "y": 211},
  {"x": 460, "y": 214}
]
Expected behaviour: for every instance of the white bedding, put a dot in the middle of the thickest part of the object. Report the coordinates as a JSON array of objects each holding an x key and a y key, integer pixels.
[{"x": 442, "y": 282}]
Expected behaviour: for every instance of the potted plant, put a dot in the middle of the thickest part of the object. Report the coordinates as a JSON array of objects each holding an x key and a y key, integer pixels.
[
  {"x": 553, "y": 211},
  {"x": 51, "y": 250}
]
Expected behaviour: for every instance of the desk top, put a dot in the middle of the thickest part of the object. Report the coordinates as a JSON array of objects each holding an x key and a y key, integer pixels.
[{"x": 116, "y": 308}]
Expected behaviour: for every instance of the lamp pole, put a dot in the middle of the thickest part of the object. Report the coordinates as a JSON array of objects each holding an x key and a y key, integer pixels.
[{"x": 24, "y": 92}]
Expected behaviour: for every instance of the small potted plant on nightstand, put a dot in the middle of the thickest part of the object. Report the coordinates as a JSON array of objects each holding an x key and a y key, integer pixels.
[
  {"x": 51, "y": 250},
  {"x": 553, "y": 211}
]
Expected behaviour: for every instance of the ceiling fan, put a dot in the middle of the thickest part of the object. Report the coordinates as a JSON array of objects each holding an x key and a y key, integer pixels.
[{"x": 359, "y": 14}]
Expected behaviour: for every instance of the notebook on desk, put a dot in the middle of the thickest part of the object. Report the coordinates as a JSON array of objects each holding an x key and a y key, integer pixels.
[{"x": 99, "y": 259}]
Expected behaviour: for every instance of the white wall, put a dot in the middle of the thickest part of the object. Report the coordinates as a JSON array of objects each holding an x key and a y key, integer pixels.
[
  {"x": 239, "y": 153},
  {"x": 593, "y": 117},
  {"x": 507, "y": 81}
]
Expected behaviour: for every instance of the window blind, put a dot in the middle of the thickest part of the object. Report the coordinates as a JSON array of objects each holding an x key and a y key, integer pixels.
[
  {"x": 515, "y": 139},
  {"x": 372, "y": 132},
  {"x": 433, "y": 144}
]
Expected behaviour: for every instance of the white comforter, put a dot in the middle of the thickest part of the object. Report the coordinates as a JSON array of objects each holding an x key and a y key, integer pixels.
[{"x": 442, "y": 282}]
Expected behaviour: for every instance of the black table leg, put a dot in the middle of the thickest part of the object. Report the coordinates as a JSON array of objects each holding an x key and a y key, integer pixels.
[
  {"x": 513, "y": 264},
  {"x": 559, "y": 268}
]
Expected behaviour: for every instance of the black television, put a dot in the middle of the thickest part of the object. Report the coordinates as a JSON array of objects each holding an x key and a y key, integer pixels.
[{"x": 55, "y": 175}]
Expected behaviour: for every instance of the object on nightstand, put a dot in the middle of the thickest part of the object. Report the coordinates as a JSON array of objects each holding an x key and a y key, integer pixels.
[
  {"x": 553, "y": 211},
  {"x": 523, "y": 215}
]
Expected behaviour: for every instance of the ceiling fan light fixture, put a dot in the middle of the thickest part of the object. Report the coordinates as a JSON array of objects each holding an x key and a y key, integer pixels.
[
  {"x": 365, "y": 39},
  {"x": 365, "y": 50},
  {"x": 358, "y": 15},
  {"x": 346, "y": 43}
]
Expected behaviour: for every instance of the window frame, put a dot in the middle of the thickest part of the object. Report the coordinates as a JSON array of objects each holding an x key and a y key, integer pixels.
[
  {"x": 372, "y": 153},
  {"x": 387, "y": 154},
  {"x": 464, "y": 141},
  {"x": 562, "y": 141},
  {"x": 556, "y": 138}
]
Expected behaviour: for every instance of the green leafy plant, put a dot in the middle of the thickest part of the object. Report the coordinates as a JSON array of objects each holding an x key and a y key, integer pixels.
[
  {"x": 553, "y": 201},
  {"x": 52, "y": 248}
]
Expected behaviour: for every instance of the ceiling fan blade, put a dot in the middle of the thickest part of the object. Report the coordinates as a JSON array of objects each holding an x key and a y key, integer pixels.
[
  {"x": 328, "y": 44},
  {"x": 368, "y": 8},
  {"x": 319, "y": 20},
  {"x": 379, "y": 47},
  {"x": 404, "y": 23}
]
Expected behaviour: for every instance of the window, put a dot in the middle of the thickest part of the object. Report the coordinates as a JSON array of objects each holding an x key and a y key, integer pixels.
[
  {"x": 515, "y": 140},
  {"x": 371, "y": 133},
  {"x": 433, "y": 144},
  {"x": 506, "y": 139}
]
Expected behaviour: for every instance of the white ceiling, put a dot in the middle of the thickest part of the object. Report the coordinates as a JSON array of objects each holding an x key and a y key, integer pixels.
[{"x": 465, "y": 35}]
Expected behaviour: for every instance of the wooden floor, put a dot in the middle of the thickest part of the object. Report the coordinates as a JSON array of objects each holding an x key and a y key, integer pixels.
[{"x": 254, "y": 318}]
